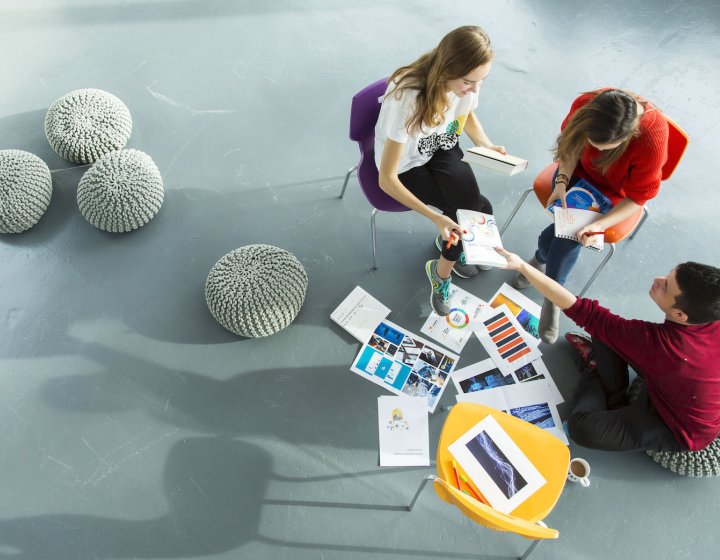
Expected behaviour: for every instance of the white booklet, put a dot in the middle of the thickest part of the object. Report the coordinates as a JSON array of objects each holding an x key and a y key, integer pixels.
[
  {"x": 501, "y": 471},
  {"x": 490, "y": 159},
  {"x": 455, "y": 329},
  {"x": 568, "y": 222},
  {"x": 403, "y": 432},
  {"x": 480, "y": 237},
  {"x": 405, "y": 364},
  {"x": 359, "y": 314}
]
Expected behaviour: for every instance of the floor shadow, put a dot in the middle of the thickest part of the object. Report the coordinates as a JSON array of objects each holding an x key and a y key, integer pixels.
[{"x": 211, "y": 509}]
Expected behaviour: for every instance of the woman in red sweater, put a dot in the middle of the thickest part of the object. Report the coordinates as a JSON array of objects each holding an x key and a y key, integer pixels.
[{"x": 617, "y": 141}]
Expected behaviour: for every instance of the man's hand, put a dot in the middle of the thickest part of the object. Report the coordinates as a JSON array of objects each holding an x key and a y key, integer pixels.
[{"x": 513, "y": 261}]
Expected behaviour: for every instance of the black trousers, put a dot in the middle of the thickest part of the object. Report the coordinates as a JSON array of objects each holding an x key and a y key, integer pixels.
[
  {"x": 447, "y": 183},
  {"x": 602, "y": 417}
]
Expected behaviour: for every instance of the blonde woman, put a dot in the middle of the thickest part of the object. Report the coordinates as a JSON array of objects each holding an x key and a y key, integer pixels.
[
  {"x": 617, "y": 141},
  {"x": 427, "y": 106}
]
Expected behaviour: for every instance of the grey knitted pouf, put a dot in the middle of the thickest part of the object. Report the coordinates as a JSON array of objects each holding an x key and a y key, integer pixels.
[
  {"x": 696, "y": 464},
  {"x": 256, "y": 290},
  {"x": 121, "y": 192},
  {"x": 25, "y": 190},
  {"x": 85, "y": 124}
]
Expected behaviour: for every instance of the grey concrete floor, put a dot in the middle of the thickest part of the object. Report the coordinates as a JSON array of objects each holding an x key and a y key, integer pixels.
[{"x": 134, "y": 426}]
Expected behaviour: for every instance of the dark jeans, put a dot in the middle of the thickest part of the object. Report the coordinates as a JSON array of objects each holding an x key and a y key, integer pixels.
[
  {"x": 558, "y": 254},
  {"x": 447, "y": 183},
  {"x": 602, "y": 417}
]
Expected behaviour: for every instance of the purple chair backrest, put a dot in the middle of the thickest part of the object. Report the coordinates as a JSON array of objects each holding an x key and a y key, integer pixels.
[{"x": 363, "y": 117}]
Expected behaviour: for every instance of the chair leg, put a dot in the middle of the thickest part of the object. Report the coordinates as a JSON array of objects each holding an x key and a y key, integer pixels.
[
  {"x": 533, "y": 545},
  {"x": 372, "y": 233},
  {"x": 598, "y": 269},
  {"x": 530, "y": 549},
  {"x": 515, "y": 210},
  {"x": 646, "y": 213},
  {"x": 423, "y": 482},
  {"x": 347, "y": 178}
]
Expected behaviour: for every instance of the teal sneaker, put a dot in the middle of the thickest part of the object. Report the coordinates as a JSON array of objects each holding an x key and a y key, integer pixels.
[
  {"x": 461, "y": 268},
  {"x": 440, "y": 293}
]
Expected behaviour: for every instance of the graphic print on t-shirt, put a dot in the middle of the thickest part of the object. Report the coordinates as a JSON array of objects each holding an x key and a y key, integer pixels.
[{"x": 445, "y": 141}]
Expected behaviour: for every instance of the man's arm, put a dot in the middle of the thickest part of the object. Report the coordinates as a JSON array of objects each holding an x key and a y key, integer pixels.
[{"x": 546, "y": 286}]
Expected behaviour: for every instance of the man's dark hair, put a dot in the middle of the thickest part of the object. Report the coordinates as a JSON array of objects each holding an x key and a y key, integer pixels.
[{"x": 699, "y": 295}]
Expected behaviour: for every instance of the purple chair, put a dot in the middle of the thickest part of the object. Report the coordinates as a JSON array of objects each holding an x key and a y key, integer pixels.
[{"x": 363, "y": 116}]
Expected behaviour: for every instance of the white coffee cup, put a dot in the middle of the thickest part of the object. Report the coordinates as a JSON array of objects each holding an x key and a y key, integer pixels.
[{"x": 579, "y": 471}]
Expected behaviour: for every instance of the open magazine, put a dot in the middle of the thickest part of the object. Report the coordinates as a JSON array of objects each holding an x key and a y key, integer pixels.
[{"x": 584, "y": 196}]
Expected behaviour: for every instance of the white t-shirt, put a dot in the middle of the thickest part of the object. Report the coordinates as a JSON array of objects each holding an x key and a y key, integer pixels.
[{"x": 421, "y": 144}]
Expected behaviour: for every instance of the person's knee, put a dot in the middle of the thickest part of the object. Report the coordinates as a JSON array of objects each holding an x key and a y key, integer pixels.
[{"x": 582, "y": 430}]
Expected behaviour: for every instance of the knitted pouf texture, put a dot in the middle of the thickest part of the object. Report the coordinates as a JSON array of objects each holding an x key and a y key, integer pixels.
[
  {"x": 696, "y": 464},
  {"x": 256, "y": 290},
  {"x": 25, "y": 190},
  {"x": 86, "y": 124},
  {"x": 121, "y": 192}
]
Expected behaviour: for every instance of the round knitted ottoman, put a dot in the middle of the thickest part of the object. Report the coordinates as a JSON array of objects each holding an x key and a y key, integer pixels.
[
  {"x": 696, "y": 464},
  {"x": 256, "y": 290},
  {"x": 25, "y": 190},
  {"x": 121, "y": 192},
  {"x": 87, "y": 123}
]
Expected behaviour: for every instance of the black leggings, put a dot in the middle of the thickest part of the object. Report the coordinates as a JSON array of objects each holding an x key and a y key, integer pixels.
[
  {"x": 447, "y": 183},
  {"x": 602, "y": 417}
]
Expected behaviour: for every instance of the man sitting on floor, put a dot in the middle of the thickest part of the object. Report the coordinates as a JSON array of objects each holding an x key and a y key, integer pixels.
[{"x": 679, "y": 360}]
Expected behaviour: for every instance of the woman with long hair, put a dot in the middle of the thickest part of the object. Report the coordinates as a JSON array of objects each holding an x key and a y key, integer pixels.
[
  {"x": 616, "y": 141},
  {"x": 426, "y": 107}
]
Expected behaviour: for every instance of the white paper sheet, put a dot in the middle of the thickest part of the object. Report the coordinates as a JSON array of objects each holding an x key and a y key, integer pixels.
[
  {"x": 486, "y": 376},
  {"x": 526, "y": 311},
  {"x": 507, "y": 343},
  {"x": 532, "y": 402},
  {"x": 501, "y": 471},
  {"x": 404, "y": 363},
  {"x": 403, "y": 431},
  {"x": 454, "y": 330},
  {"x": 359, "y": 314}
]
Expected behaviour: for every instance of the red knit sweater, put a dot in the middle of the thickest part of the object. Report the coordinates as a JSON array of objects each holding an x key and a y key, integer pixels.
[
  {"x": 638, "y": 172},
  {"x": 679, "y": 363}
]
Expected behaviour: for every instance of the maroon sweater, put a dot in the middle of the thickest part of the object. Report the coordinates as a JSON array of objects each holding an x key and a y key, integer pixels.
[{"x": 679, "y": 363}]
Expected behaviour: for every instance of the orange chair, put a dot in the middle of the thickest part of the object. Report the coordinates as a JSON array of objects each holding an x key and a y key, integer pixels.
[
  {"x": 546, "y": 452},
  {"x": 542, "y": 187}
]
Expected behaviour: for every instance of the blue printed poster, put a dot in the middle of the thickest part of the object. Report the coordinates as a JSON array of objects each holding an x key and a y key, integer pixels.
[{"x": 405, "y": 364}]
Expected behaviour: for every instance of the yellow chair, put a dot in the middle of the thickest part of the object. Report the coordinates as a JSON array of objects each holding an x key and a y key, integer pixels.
[
  {"x": 547, "y": 453},
  {"x": 678, "y": 141}
]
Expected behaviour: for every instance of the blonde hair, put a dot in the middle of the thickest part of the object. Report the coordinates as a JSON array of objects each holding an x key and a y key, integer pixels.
[
  {"x": 460, "y": 52},
  {"x": 611, "y": 116}
]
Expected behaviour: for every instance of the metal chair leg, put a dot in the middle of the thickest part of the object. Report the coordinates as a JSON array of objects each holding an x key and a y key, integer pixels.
[
  {"x": 598, "y": 269},
  {"x": 515, "y": 210},
  {"x": 532, "y": 546},
  {"x": 646, "y": 213},
  {"x": 347, "y": 178},
  {"x": 423, "y": 483},
  {"x": 372, "y": 232}
]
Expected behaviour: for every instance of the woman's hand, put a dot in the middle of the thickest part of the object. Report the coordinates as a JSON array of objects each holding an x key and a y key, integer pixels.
[
  {"x": 513, "y": 261},
  {"x": 500, "y": 149},
  {"x": 449, "y": 230},
  {"x": 587, "y": 234},
  {"x": 557, "y": 194}
]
